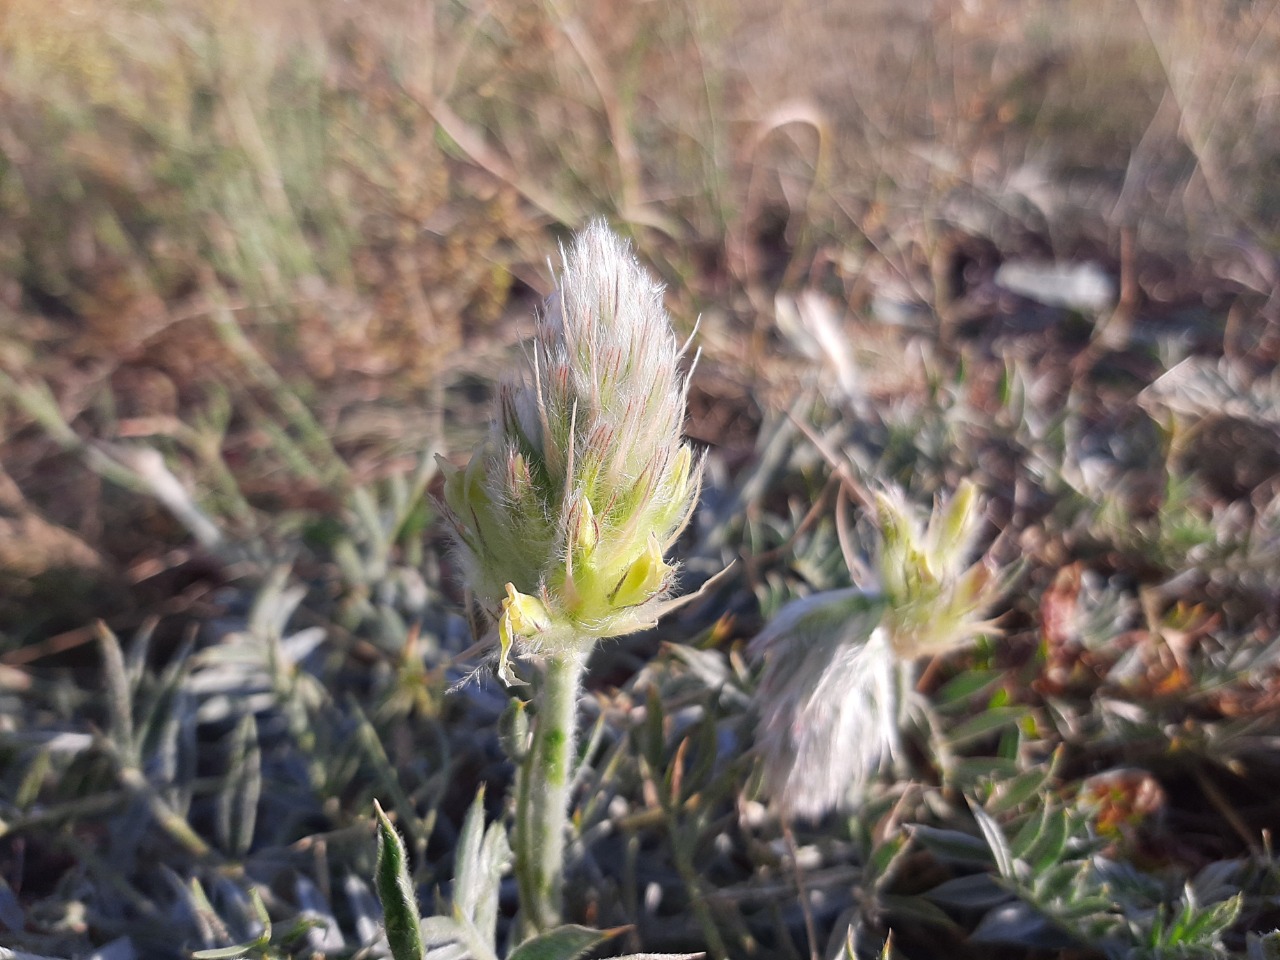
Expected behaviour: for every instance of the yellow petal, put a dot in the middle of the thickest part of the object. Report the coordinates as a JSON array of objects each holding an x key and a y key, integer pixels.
[
  {"x": 522, "y": 617},
  {"x": 644, "y": 578}
]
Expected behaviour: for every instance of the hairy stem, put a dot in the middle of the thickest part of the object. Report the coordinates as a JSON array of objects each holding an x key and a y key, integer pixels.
[{"x": 543, "y": 807}]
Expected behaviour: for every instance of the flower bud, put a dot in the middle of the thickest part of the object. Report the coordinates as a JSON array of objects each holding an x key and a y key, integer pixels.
[{"x": 562, "y": 516}]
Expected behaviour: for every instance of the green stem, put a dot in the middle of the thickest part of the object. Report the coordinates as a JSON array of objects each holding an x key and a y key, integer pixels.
[{"x": 544, "y": 808}]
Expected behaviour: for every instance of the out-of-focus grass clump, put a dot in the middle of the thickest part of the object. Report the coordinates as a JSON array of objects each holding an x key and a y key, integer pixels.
[{"x": 260, "y": 262}]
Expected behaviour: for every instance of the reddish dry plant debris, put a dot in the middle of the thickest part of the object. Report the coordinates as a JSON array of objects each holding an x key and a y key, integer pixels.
[{"x": 1120, "y": 801}]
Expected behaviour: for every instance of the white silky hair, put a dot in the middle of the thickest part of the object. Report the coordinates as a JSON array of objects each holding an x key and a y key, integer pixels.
[
  {"x": 606, "y": 361},
  {"x": 834, "y": 686},
  {"x": 828, "y": 700}
]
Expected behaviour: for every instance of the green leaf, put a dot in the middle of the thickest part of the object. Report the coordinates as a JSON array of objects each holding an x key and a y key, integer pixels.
[
  {"x": 119, "y": 694},
  {"x": 1020, "y": 924},
  {"x": 1086, "y": 905},
  {"x": 1049, "y": 846},
  {"x": 654, "y": 736},
  {"x": 996, "y": 841},
  {"x": 952, "y": 846},
  {"x": 1004, "y": 386},
  {"x": 916, "y": 909},
  {"x": 395, "y": 890},
  {"x": 1011, "y": 794},
  {"x": 226, "y": 953},
  {"x": 237, "y": 803},
  {"x": 985, "y": 724},
  {"x": 562, "y": 943},
  {"x": 1053, "y": 883},
  {"x": 1209, "y": 924},
  {"x": 977, "y": 891},
  {"x": 960, "y": 689},
  {"x": 882, "y": 858},
  {"x": 969, "y": 772},
  {"x": 1029, "y": 833},
  {"x": 258, "y": 944},
  {"x": 698, "y": 774},
  {"x": 468, "y": 883},
  {"x": 482, "y": 856}
]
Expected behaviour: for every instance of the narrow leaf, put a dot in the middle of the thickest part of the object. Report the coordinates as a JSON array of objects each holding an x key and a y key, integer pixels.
[
  {"x": 1208, "y": 924},
  {"x": 882, "y": 859},
  {"x": 119, "y": 693},
  {"x": 395, "y": 890},
  {"x": 914, "y": 910},
  {"x": 482, "y": 856},
  {"x": 563, "y": 943},
  {"x": 1029, "y": 833},
  {"x": 219, "y": 953},
  {"x": 1011, "y": 794},
  {"x": 952, "y": 846},
  {"x": 1051, "y": 843},
  {"x": 242, "y": 949},
  {"x": 973, "y": 771},
  {"x": 978, "y": 891},
  {"x": 996, "y": 841},
  {"x": 985, "y": 724},
  {"x": 469, "y": 881},
  {"x": 959, "y": 690},
  {"x": 1022, "y": 925}
]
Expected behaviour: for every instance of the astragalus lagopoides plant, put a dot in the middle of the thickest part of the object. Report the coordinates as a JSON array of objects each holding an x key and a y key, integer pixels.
[
  {"x": 565, "y": 512},
  {"x": 835, "y": 662}
]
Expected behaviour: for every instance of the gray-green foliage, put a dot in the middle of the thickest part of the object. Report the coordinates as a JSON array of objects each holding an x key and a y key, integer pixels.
[
  {"x": 199, "y": 778},
  {"x": 1049, "y": 882},
  {"x": 470, "y": 931}
]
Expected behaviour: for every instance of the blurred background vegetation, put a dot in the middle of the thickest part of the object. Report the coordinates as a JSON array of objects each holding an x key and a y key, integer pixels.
[{"x": 260, "y": 261}]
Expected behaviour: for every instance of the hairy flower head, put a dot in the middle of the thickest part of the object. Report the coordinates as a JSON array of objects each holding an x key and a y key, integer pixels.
[
  {"x": 829, "y": 691},
  {"x": 567, "y": 507}
]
